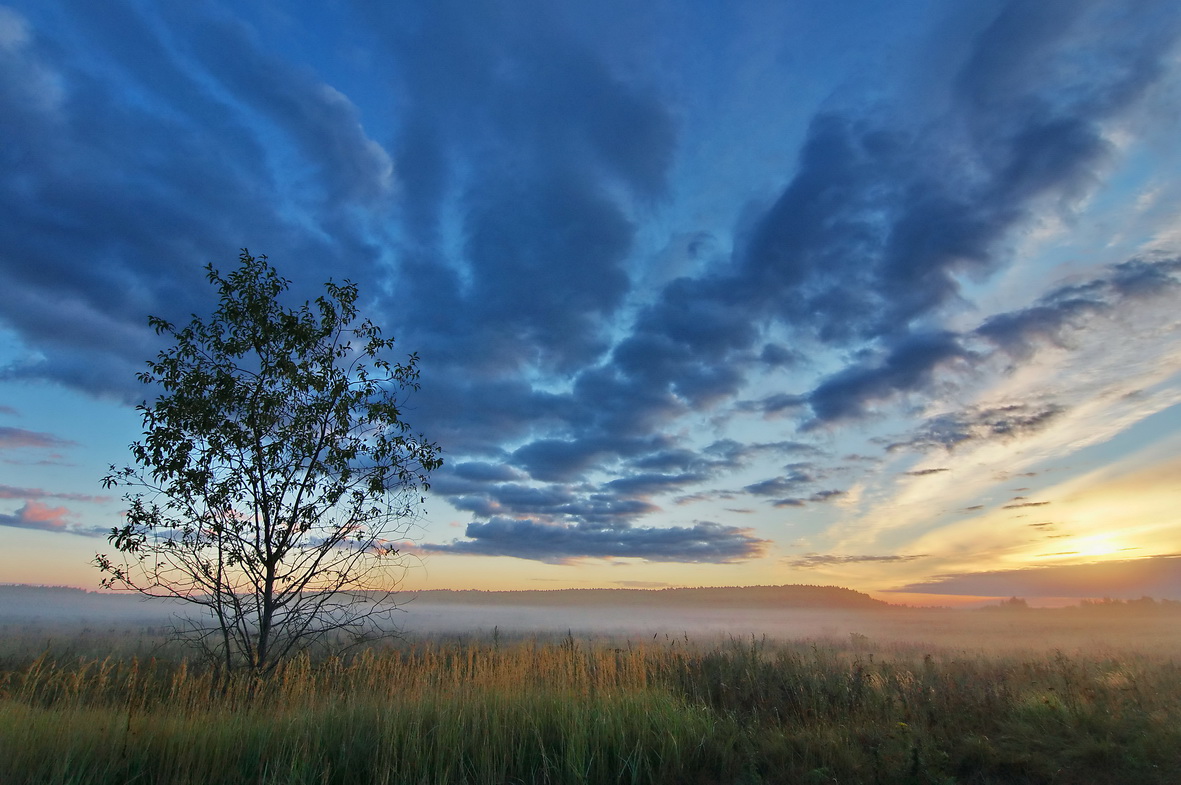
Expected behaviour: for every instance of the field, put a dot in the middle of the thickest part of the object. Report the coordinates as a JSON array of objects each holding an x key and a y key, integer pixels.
[{"x": 982, "y": 699}]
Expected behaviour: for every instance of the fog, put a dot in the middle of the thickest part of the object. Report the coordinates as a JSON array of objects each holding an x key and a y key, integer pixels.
[
  {"x": 1067, "y": 629},
  {"x": 46, "y": 614},
  {"x": 58, "y": 606}
]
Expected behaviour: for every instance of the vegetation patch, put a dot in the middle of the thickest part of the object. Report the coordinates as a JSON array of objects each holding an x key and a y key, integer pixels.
[{"x": 593, "y": 711}]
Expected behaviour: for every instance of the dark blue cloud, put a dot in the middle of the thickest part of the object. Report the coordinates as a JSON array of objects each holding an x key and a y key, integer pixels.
[
  {"x": 553, "y": 501},
  {"x": 1067, "y": 309},
  {"x": 671, "y": 460},
  {"x": 482, "y": 471},
  {"x": 130, "y": 167},
  {"x": 651, "y": 484},
  {"x": 545, "y": 268},
  {"x": 704, "y": 542},
  {"x": 818, "y": 497},
  {"x": 878, "y": 221},
  {"x": 909, "y": 366},
  {"x": 776, "y": 355},
  {"x": 912, "y": 364},
  {"x": 777, "y": 486},
  {"x": 777, "y": 404},
  {"x": 559, "y": 459},
  {"x": 515, "y": 129}
]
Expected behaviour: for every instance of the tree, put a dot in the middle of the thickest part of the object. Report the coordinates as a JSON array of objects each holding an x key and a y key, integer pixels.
[{"x": 274, "y": 474}]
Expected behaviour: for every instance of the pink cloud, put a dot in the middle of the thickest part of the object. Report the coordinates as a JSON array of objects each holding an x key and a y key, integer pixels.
[{"x": 35, "y": 515}]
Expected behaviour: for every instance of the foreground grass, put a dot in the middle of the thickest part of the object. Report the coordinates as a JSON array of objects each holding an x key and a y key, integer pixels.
[{"x": 585, "y": 712}]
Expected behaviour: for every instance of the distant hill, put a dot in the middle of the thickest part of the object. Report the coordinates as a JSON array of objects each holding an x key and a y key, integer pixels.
[{"x": 747, "y": 597}]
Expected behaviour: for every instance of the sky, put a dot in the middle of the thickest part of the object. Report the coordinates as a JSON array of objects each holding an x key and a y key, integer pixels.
[{"x": 877, "y": 295}]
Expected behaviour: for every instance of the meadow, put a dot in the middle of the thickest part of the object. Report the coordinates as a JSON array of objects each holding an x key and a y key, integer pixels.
[{"x": 118, "y": 706}]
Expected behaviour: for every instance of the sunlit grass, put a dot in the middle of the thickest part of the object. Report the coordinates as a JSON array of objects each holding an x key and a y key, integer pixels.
[{"x": 592, "y": 711}]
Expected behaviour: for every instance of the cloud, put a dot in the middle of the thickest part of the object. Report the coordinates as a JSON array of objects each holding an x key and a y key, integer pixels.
[
  {"x": 775, "y": 405},
  {"x": 980, "y": 423},
  {"x": 1024, "y": 504},
  {"x": 512, "y": 124},
  {"x": 703, "y": 542},
  {"x": 909, "y": 366},
  {"x": 317, "y": 119},
  {"x": 778, "y": 356},
  {"x": 818, "y": 497},
  {"x": 813, "y": 560},
  {"x": 1158, "y": 576},
  {"x": 173, "y": 117},
  {"x": 1070, "y": 308},
  {"x": 39, "y": 517},
  {"x": 926, "y": 472},
  {"x": 559, "y": 459},
  {"x": 13, "y": 438},
  {"x": 780, "y": 485},
  {"x": 650, "y": 484},
  {"x": 553, "y": 500},
  {"x": 878, "y": 223},
  {"x": 11, "y": 492}
]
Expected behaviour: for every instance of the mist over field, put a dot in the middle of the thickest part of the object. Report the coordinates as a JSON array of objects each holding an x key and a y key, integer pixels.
[{"x": 823, "y": 614}]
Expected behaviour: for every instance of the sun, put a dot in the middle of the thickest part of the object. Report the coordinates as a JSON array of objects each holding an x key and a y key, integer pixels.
[{"x": 1098, "y": 546}]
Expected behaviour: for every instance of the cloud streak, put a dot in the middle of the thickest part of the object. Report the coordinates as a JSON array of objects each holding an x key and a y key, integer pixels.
[{"x": 813, "y": 560}]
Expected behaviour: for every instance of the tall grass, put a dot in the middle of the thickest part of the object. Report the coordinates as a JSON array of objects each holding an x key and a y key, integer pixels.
[{"x": 582, "y": 711}]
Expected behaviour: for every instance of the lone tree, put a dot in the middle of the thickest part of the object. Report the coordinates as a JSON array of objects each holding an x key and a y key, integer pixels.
[{"x": 274, "y": 473}]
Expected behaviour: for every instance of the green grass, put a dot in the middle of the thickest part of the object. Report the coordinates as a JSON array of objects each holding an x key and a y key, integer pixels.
[{"x": 593, "y": 711}]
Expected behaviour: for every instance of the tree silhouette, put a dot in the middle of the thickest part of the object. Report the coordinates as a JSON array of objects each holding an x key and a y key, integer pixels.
[{"x": 275, "y": 473}]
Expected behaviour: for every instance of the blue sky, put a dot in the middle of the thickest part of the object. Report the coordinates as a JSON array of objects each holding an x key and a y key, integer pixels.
[{"x": 883, "y": 295}]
